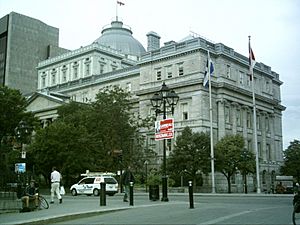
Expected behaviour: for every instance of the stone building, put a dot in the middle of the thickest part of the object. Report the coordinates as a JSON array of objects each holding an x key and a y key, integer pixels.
[
  {"x": 24, "y": 42},
  {"x": 116, "y": 58}
]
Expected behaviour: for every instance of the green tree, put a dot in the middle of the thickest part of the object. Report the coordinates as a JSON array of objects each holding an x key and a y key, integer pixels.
[
  {"x": 246, "y": 165},
  {"x": 191, "y": 154},
  {"x": 12, "y": 111},
  {"x": 112, "y": 122},
  {"x": 228, "y": 156},
  {"x": 87, "y": 136},
  {"x": 291, "y": 160},
  {"x": 62, "y": 145}
]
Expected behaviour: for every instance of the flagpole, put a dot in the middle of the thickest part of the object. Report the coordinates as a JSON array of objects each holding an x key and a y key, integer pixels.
[
  {"x": 117, "y": 11},
  {"x": 254, "y": 123},
  {"x": 213, "y": 189}
]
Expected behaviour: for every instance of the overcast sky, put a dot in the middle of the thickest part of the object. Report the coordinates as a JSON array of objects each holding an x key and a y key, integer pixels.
[{"x": 273, "y": 25}]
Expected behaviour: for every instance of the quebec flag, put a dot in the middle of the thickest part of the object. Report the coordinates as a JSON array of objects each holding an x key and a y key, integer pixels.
[{"x": 209, "y": 69}]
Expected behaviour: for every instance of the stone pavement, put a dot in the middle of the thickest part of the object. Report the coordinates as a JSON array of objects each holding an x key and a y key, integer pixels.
[{"x": 78, "y": 206}]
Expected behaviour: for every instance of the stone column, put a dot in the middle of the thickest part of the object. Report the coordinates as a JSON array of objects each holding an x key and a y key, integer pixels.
[{"x": 221, "y": 118}]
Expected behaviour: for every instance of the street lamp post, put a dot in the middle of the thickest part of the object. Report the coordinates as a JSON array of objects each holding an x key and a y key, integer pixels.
[{"x": 164, "y": 101}]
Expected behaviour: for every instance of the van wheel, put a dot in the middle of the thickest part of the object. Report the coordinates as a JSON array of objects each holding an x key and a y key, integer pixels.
[
  {"x": 96, "y": 192},
  {"x": 74, "y": 192}
]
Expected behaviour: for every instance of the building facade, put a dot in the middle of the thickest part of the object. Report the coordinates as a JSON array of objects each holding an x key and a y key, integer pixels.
[
  {"x": 81, "y": 73},
  {"x": 24, "y": 41}
]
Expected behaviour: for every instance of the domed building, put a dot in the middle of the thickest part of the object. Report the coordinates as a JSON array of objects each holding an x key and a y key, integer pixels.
[
  {"x": 117, "y": 58},
  {"x": 119, "y": 37}
]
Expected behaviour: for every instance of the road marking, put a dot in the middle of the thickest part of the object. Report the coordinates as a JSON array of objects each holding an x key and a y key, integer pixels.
[{"x": 221, "y": 219}]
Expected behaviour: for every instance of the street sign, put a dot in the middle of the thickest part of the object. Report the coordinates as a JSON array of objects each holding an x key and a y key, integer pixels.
[
  {"x": 164, "y": 129},
  {"x": 20, "y": 167}
]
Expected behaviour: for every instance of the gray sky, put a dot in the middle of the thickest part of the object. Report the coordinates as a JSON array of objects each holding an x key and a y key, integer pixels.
[{"x": 273, "y": 26}]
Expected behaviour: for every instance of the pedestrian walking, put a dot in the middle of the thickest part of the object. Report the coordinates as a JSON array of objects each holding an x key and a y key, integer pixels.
[
  {"x": 127, "y": 178},
  {"x": 55, "y": 185}
]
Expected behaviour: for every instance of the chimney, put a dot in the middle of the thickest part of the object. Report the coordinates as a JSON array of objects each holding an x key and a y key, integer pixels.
[{"x": 153, "y": 41}]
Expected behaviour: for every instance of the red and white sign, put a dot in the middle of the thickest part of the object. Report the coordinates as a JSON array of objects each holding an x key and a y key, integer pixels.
[{"x": 164, "y": 129}]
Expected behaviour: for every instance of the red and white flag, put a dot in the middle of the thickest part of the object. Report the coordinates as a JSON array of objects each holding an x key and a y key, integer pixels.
[{"x": 251, "y": 58}]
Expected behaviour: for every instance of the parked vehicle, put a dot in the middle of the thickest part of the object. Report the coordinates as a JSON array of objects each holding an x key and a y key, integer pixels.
[{"x": 90, "y": 185}]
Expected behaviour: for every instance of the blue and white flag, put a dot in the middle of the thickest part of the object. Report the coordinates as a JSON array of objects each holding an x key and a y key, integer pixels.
[{"x": 209, "y": 69}]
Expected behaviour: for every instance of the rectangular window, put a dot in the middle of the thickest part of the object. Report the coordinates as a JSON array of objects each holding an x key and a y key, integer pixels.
[
  {"x": 158, "y": 75},
  {"x": 75, "y": 72},
  {"x": 249, "y": 80},
  {"x": 87, "y": 69},
  {"x": 53, "y": 79},
  {"x": 259, "y": 150},
  {"x": 227, "y": 114},
  {"x": 241, "y": 77},
  {"x": 101, "y": 68},
  {"x": 267, "y": 124},
  {"x": 228, "y": 71},
  {"x": 258, "y": 122},
  {"x": 64, "y": 76},
  {"x": 180, "y": 70},
  {"x": 43, "y": 81},
  {"x": 185, "y": 114},
  {"x": 249, "y": 121}
]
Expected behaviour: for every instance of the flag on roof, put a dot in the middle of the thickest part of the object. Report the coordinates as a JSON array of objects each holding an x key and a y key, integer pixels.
[
  {"x": 251, "y": 58},
  {"x": 209, "y": 69},
  {"x": 120, "y": 3}
]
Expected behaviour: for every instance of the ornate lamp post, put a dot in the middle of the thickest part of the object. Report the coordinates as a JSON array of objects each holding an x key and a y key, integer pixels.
[{"x": 164, "y": 101}]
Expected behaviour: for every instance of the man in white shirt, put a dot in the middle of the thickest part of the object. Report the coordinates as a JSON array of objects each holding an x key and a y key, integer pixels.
[{"x": 55, "y": 184}]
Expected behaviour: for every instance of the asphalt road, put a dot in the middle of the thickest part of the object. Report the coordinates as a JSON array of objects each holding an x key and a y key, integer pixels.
[{"x": 207, "y": 210}]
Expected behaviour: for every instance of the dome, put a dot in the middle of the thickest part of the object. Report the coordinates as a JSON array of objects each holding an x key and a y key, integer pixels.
[{"x": 120, "y": 38}]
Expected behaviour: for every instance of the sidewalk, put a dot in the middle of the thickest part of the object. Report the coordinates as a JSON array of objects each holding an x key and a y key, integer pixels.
[
  {"x": 72, "y": 207},
  {"x": 78, "y": 206}
]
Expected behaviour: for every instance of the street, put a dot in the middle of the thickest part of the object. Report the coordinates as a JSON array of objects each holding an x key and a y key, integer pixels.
[{"x": 212, "y": 209}]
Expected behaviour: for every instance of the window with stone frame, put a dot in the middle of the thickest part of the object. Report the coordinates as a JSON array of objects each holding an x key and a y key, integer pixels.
[
  {"x": 227, "y": 114},
  {"x": 158, "y": 75},
  {"x": 242, "y": 74},
  {"x": 249, "y": 120},
  {"x": 43, "y": 80},
  {"x": 258, "y": 118},
  {"x": 53, "y": 76},
  {"x": 169, "y": 71},
  {"x": 75, "y": 70},
  {"x": 267, "y": 124},
  {"x": 87, "y": 69},
  {"x": 228, "y": 71},
  {"x": 180, "y": 69},
  {"x": 185, "y": 113},
  {"x": 101, "y": 68}
]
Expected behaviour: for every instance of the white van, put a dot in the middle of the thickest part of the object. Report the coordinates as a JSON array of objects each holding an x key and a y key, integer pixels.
[{"x": 90, "y": 185}]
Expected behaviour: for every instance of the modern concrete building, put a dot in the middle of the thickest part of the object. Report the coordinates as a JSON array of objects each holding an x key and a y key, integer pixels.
[
  {"x": 24, "y": 42},
  {"x": 119, "y": 59}
]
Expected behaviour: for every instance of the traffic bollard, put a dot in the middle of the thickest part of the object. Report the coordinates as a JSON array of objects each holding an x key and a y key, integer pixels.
[
  {"x": 131, "y": 193},
  {"x": 102, "y": 194},
  {"x": 191, "y": 195}
]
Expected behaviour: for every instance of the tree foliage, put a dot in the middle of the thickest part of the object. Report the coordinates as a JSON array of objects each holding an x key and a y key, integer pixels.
[
  {"x": 228, "y": 155},
  {"x": 191, "y": 154},
  {"x": 12, "y": 111},
  {"x": 291, "y": 160},
  {"x": 100, "y": 136}
]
